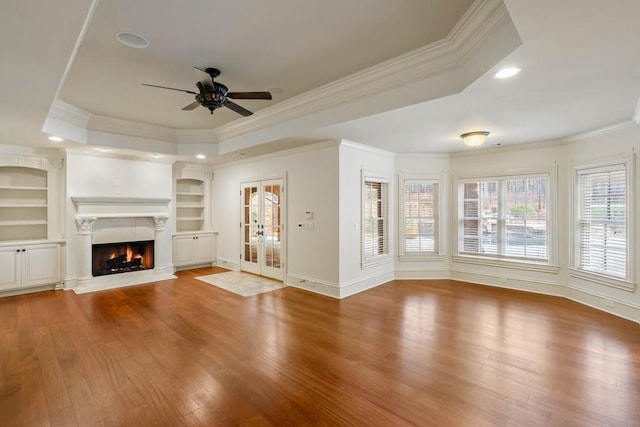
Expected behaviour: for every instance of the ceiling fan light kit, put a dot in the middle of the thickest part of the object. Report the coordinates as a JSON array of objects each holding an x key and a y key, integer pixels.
[{"x": 213, "y": 95}]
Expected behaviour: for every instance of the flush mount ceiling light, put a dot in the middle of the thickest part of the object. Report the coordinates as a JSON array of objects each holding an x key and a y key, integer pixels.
[
  {"x": 103, "y": 150},
  {"x": 505, "y": 73},
  {"x": 201, "y": 156},
  {"x": 132, "y": 40},
  {"x": 55, "y": 138},
  {"x": 474, "y": 139}
]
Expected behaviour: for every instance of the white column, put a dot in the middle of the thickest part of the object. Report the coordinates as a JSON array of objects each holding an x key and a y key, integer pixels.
[
  {"x": 161, "y": 252},
  {"x": 85, "y": 230}
]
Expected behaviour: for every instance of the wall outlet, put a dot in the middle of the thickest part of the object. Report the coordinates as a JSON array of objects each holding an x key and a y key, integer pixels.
[{"x": 609, "y": 303}]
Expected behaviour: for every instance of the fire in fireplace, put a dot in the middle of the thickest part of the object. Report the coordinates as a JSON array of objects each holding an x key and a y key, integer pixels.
[{"x": 124, "y": 257}]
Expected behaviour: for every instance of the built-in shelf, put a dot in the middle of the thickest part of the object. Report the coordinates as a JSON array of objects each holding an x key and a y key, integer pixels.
[
  {"x": 189, "y": 204},
  {"x": 22, "y": 188},
  {"x": 25, "y": 222},
  {"x": 185, "y": 193},
  {"x": 23, "y": 203}
]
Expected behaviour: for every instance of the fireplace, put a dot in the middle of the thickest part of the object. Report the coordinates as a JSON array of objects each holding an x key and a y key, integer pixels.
[{"x": 123, "y": 257}]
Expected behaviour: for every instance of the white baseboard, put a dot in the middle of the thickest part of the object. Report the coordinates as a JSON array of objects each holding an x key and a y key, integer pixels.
[
  {"x": 424, "y": 274},
  {"x": 625, "y": 309},
  {"x": 317, "y": 286},
  {"x": 30, "y": 290},
  {"x": 351, "y": 288},
  {"x": 192, "y": 266},
  {"x": 228, "y": 263},
  {"x": 620, "y": 308}
]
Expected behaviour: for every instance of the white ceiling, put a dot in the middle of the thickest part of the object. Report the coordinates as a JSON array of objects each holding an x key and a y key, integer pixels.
[{"x": 406, "y": 76}]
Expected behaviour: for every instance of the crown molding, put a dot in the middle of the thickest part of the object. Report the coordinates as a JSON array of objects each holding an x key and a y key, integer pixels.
[
  {"x": 196, "y": 136},
  {"x": 311, "y": 147},
  {"x": 130, "y": 128},
  {"x": 636, "y": 113},
  {"x": 68, "y": 113},
  {"x": 481, "y": 19},
  {"x": 423, "y": 156},
  {"x": 601, "y": 131},
  {"x": 367, "y": 148}
]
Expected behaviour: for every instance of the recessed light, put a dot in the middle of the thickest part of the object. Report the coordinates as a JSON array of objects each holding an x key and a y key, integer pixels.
[
  {"x": 103, "y": 150},
  {"x": 55, "y": 138},
  {"x": 132, "y": 40},
  {"x": 201, "y": 156},
  {"x": 505, "y": 73}
]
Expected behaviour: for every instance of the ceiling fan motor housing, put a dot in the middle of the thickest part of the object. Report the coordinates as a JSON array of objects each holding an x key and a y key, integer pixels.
[{"x": 212, "y": 97}]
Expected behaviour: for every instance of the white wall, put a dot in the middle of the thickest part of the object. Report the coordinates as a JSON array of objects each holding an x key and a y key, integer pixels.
[
  {"x": 326, "y": 179},
  {"x": 559, "y": 156},
  {"x": 311, "y": 185},
  {"x": 355, "y": 158},
  {"x": 101, "y": 176},
  {"x": 596, "y": 148}
]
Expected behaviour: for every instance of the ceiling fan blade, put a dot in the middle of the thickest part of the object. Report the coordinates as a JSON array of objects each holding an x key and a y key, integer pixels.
[
  {"x": 204, "y": 77},
  {"x": 191, "y": 106},
  {"x": 170, "y": 88},
  {"x": 249, "y": 95},
  {"x": 238, "y": 109}
]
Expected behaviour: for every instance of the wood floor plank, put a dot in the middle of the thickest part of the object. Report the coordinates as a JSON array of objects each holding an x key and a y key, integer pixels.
[{"x": 409, "y": 352}]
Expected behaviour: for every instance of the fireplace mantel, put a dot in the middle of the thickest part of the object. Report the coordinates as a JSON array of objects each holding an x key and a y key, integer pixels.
[
  {"x": 93, "y": 210},
  {"x": 113, "y": 207}
]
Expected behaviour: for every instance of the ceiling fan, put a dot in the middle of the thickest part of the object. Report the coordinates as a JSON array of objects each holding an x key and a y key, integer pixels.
[{"x": 214, "y": 95}]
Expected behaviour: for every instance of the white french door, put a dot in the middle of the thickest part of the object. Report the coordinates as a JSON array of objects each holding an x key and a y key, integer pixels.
[{"x": 262, "y": 231}]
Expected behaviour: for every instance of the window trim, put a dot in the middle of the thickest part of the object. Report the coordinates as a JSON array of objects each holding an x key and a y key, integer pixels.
[
  {"x": 626, "y": 283},
  {"x": 439, "y": 253},
  {"x": 552, "y": 219},
  {"x": 371, "y": 261}
]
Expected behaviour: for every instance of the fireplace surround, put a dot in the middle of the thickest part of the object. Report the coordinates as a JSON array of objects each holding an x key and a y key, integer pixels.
[{"x": 109, "y": 220}]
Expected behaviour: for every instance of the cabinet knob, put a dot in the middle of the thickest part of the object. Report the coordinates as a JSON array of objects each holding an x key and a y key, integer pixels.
[
  {"x": 17, "y": 250},
  {"x": 24, "y": 250}
]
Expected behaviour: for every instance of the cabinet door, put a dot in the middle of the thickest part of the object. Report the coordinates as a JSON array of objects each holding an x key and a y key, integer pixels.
[
  {"x": 184, "y": 250},
  {"x": 206, "y": 248},
  {"x": 41, "y": 265},
  {"x": 9, "y": 268}
]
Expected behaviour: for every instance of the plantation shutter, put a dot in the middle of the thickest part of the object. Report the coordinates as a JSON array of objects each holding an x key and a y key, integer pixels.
[
  {"x": 420, "y": 208},
  {"x": 375, "y": 218},
  {"x": 603, "y": 220},
  {"x": 505, "y": 217}
]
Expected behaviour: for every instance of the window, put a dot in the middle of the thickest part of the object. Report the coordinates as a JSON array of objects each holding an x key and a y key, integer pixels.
[
  {"x": 506, "y": 217},
  {"x": 419, "y": 227},
  {"x": 602, "y": 220},
  {"x": 375, "y": 218}
]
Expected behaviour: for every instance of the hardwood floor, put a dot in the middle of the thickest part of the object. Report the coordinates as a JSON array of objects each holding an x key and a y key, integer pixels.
[{"x": 426, "y": 353}]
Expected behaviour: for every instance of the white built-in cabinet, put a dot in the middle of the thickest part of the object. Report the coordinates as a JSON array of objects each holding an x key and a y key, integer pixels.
[
  {"x": 27, "y": 266},
  {"x": 194, "y": 243},
  {"x": 30, "y": 222},
  {"x": 194, "y": 249}
]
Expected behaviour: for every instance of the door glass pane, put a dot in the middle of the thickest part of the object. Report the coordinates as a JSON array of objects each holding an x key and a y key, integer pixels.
[
  {"x": 250, "y": 225},
  {"x": 272, "y": 225}
]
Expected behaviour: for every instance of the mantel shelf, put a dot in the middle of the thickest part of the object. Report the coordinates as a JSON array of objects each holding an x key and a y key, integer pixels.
[{"x": 128, "y": 201}]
